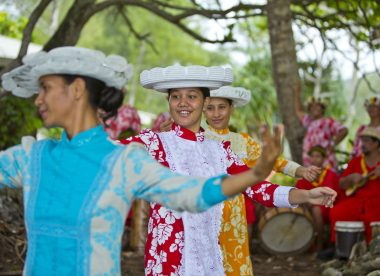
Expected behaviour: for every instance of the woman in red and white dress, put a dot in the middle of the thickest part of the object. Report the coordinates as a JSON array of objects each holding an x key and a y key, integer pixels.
[{"x": 182, "y": 243}]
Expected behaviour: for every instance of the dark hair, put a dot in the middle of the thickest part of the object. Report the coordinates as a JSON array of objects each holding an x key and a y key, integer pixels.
[
  {"x": 108, "y": 99},
  {"x": 323, "y": 106},
  {"x": 318, "y": 148},
  {"x": 205, "y": 91}
]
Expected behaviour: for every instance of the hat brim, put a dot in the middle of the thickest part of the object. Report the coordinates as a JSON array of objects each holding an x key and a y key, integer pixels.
[
  {"x": 23, "y": 81},
  {"x": 177, "y": 76},
  {"x": 165, "y": 86}
]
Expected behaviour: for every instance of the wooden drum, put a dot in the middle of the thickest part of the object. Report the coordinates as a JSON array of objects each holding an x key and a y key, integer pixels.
[{"x": 286, "y": 231}]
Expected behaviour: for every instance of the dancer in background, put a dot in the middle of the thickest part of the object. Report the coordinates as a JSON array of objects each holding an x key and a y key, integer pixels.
[{"x": 320, "y": 130}]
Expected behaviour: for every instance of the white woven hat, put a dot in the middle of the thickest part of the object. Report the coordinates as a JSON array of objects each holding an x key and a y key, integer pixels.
[
  {"x": 238, "y": 95},
  {"x": 177, "y": 76},
  {"x": 113, "y": 70}
]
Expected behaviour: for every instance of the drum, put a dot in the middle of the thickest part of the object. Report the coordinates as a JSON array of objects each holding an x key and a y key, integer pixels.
[
  {"x": 286, "y": 231},
  {"x": 375, "y": 229},
  {"x": 347, "y": 234}
]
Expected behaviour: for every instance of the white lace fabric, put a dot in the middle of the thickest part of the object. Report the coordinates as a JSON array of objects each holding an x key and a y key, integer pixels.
[{"x": 201, "y": 254}]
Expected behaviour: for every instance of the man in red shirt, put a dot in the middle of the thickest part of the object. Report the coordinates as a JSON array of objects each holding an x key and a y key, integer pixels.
[
  {"x": 363, "y": 204},
  {"x": 328, "y": 178}
]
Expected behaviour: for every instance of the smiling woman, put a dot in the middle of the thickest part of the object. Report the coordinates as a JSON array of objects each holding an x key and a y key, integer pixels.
[{"x": 185, "y": 105}]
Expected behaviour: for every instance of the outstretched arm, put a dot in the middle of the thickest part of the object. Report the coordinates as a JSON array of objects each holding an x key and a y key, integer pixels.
[
  {"x": 13, "y": 162},
  {"x": 317, "y": 196},
  {"x": 156, "y": 183}
]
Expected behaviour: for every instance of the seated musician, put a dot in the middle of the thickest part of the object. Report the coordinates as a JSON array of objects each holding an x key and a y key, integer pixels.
[
  {"x": 361, "y": 183},
  {"x": 327, "y": 178}
]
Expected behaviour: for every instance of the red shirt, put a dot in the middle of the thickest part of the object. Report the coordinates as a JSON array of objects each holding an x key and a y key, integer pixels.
[
  {"x": 372, "y": 188},
  {"x": 328, "y": 178}
]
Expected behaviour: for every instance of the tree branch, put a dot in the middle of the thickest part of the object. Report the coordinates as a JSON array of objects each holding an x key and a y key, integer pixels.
[
  {"x": 27, "y": 35},
  {"x": 143, "y": 37}
]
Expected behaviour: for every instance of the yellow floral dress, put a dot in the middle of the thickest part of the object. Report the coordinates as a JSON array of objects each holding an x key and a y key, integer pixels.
[{"x": 233, "y": 237}]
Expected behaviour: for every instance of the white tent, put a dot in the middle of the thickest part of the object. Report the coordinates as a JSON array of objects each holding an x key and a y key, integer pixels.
[{"x": 9, "y": 48}]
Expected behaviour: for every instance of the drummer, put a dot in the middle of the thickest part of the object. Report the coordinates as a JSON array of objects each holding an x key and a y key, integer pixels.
[
  {"x": 362, "y": 205},
  {"x": 328, "y": 178}
]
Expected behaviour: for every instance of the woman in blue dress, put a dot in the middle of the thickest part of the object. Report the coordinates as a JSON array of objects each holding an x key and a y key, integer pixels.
[{"x": 78, "y": 190}]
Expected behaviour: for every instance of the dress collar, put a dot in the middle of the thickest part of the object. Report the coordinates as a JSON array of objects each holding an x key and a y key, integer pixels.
[
  {"x": 223, "y": 131},
  {"x": 187, "y": 134},
  {"x": 83, "y": 137}
]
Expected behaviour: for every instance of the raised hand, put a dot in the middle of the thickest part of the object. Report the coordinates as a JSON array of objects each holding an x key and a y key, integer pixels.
[
  {"x": 272, "y": 147},
  {"x": 271, "y": 150}
]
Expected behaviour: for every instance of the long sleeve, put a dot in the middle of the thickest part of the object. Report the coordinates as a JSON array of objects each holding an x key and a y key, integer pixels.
[
  {"x": 13, "y": 162},
  {"x": 156, "y": 183}
]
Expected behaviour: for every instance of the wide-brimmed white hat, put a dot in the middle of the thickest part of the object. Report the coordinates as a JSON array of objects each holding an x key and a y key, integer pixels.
[
  {"x": 177, "y": 76},
  {"x": 238, "y": 95},
  {"x": 113, "y": 70}
]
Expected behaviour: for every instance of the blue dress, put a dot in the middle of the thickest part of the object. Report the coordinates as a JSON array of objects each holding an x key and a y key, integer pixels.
[{"x": 77, "y": 194}]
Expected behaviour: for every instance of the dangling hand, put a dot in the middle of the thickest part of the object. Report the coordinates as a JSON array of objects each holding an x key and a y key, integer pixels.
[{"x": 322, "y": 196}]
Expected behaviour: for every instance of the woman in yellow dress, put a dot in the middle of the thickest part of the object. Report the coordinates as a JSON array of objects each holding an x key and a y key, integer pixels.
[{"x": 233, "y": 236}]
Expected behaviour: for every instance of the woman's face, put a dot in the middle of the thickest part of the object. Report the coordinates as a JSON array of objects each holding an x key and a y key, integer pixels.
[
  {"x": 316, "y": 158},
  {"x": 316, "y": 110},
  {"x": 373, "y": 111},
  {"x": 218, "y": 112},
  {"x": 55, "y": 101},
  {"x": 186, "y": 106},
  {"x": 369, "y": 144}
]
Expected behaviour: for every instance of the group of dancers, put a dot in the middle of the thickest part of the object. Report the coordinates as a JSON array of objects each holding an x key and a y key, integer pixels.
[{"x": 78, "y": 190}]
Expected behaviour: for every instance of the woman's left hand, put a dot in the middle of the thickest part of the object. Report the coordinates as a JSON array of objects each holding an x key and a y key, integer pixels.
[{"x": 322, "y": 196}]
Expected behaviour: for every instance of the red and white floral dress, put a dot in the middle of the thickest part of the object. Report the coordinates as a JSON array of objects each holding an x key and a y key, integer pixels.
[
  {"x": 320, "y": 132},
  {"x": 185, "y": 243}
]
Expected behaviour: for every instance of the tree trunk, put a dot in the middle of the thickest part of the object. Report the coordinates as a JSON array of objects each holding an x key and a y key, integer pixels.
[
  {"x": 139, "y": 229},
  {"x": 285, "y": 71}
]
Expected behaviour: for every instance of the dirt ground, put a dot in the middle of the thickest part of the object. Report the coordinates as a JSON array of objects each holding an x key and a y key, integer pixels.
[{"x": 264, "y": 264}]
